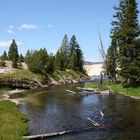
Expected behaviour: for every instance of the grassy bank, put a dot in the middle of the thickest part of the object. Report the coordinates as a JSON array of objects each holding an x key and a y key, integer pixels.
[
  {"x": 12, "y": 122},
  {"x": 26, "y": 79},
  {"x": 69, "y": 74},
  {"x": 117, "y": 88},
  {"x": 20, "y": 75},
  {"x": 95, "y": 85},
  {"x": 126, "y": 91}
]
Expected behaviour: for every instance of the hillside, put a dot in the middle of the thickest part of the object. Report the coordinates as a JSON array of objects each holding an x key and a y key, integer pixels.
[{"x": 23, "y": 78}]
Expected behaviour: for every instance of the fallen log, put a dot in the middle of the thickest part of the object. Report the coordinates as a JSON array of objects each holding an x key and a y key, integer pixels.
[
  {"x": 87, "y": 89},
  {"x": 70, "y": 91},
  {"x": 41, "y": 136},
  {"x": 93, "y": 122}
]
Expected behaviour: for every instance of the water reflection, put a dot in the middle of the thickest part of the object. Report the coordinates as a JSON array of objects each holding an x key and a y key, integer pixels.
[{"x": 54, "y": 109}]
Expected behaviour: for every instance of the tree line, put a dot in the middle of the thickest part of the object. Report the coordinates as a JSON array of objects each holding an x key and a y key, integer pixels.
[
  {"x": 68, "y": 56},
  {"x": 123, "y": 55}
]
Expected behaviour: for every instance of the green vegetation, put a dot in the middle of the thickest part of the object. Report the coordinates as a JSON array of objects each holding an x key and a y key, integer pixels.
[
  {"x": 124, "y": 51},
  {"x": 116, "y": 88},
  {"x": 69, "y": 75},
  {"x": 13, "y": 54},
  {"x": 22, "y": 75},
  {"x": 2, "y": 63},
  {"x": 126, "y": 91},
  {"x": 4, "y": 56},
  {"x": 69, "y": 56},
  {"x": 12, "y": 122},
  {"x": 95, "y": 85}
]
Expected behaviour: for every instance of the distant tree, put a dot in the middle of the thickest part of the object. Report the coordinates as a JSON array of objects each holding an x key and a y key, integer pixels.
[
  {"x": 64, "y": 50},
  {"x": 76, "y": 55},
  {"x": 21, "y": 58},
  {"x": 59, "y": 60},
  {"x": 73, "y": 57},
  {"x": 4, "y": 56},
  {"x": 37, "y": 61},
  {"x": 13, "y": 54},
  {"x": 80, "y": 59},
  {"x": 50, "y": 64}
]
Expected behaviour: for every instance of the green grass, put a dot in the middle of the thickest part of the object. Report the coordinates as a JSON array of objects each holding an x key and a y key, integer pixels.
[
  {"x": 126, "y": 91},
  {"x": 12, "y": 122},
  {"x": 68, "y": 74},
  {"x": 95, "y": 85},
  {"x": 117, "y": 88},
  {"x": 22, "y": 75}
]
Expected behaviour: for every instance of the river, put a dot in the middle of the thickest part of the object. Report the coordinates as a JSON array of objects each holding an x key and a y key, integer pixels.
[{"x": 54, "y": 109}]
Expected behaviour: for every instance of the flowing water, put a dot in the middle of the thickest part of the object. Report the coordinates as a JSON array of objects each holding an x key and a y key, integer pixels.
[{"x": 54, "y": 109}]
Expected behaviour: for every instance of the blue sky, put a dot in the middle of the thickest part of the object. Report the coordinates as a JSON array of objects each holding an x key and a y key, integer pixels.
[{"x": 43, "y": 23}]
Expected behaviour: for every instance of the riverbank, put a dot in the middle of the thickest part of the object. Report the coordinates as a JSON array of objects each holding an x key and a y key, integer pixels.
[
  {"x": 12, "y": 123},
  {"x": 131, "y": 92},
  {"x": 25, "y": 79},
  {"x": 117, "y": 88}
]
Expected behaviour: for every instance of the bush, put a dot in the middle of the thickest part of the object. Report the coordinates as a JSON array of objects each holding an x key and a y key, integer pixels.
[{"x": 2, "y": 64}]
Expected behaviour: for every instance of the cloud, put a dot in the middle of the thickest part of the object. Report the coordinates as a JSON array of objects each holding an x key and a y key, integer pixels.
[
  {"x": 50, "y": 25},
  {"x": 4, "y": 44},
  {"x": 29, "y": 26},
  {"x": 10, "y": 29}
]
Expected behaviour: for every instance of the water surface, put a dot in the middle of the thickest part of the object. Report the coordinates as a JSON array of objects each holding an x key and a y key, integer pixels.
[{"x": 53, "y": 109}]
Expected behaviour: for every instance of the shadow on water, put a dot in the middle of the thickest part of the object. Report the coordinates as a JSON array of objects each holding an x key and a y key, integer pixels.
[{"x": 53, "y": 109}]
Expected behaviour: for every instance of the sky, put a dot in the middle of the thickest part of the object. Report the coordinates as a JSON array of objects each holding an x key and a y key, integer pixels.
[{"x": 36, "y": 24}]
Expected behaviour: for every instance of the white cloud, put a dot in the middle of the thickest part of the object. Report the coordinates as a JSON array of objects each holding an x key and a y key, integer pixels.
[
  {"x": 10, "y": 29},
  {"x": 50, "y": 25},
  {"x": 4, "y": 44},
  {"x": 29, "y": 26}
]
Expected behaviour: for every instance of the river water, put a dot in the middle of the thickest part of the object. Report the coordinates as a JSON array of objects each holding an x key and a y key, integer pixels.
[{"x": 54, "y": 109}]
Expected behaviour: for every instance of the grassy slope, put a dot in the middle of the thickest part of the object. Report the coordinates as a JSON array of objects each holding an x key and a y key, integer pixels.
[
  {"x": 117, "y": 88},
  {"x": 20, "y": 74},
  {"x": 69, "y": 74},
  {"x": 12, "y": 122},
  {"x": 126, "y": 91}
]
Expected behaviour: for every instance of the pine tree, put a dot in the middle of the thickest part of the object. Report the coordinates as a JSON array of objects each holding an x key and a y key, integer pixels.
[
  {"x": 76, "y": 55},
  {"x": 59, "y": 60},
  {"x": 64, "y": 50},
  {"x": 80, "y": 59},
  {"x": 21, "y": 58},
  {"x": 13, "y": 54},
  {"x": 127, "y": 22},
  {"x": 37, "y": 61},
  {"x": 4, "y": 56},
  {"x": 111, "y": 59},
  {"x": 73, "y": 57}
]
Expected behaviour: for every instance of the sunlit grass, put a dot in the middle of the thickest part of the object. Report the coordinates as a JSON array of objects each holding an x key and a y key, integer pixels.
[
  {"x": 21, "y": 75},
  {"x": 12, "y": 122},
  {"x": 116, "y": 88},
  {"x": 126, "y": 91},
  {"x": 95, "y": 85}
]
